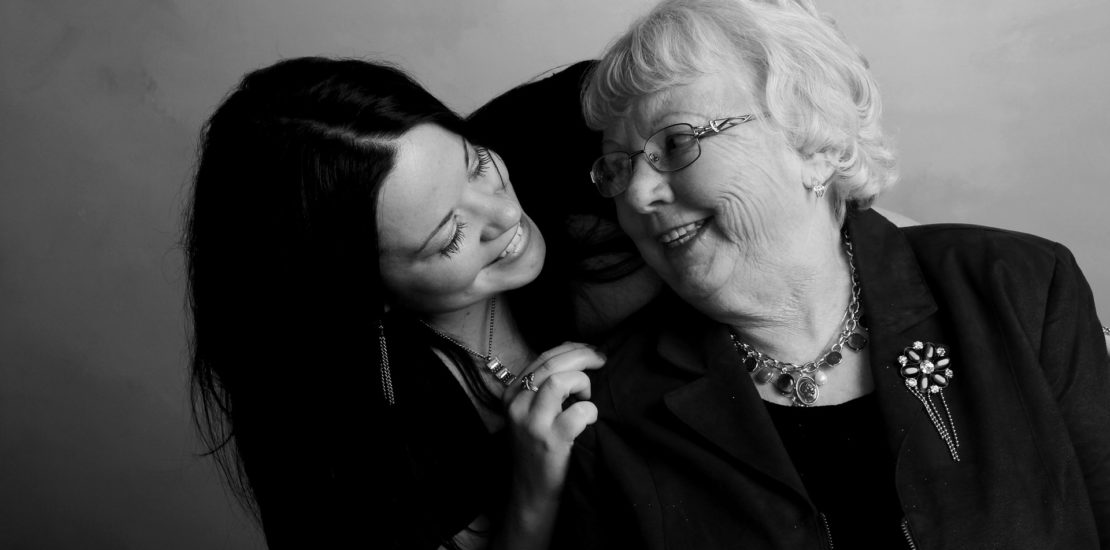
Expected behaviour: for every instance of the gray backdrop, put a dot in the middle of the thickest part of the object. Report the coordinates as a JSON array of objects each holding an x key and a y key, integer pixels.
[{"x": 1000, "y": 108}]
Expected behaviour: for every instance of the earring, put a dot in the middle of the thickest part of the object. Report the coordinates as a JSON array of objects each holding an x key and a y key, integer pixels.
[
  {"x": 386, "y": 372},
  {"x": 819, "y": 187}
]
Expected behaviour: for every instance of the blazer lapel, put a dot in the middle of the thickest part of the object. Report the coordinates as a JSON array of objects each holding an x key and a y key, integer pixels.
[
  {"x": 723, "y": 405},
  {"x": 899, "y": 309}
]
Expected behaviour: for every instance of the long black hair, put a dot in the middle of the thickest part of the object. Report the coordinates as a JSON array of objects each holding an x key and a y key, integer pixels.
[
  {"x": 550, "y": 171},
  {"x": 285, "y": 293}
]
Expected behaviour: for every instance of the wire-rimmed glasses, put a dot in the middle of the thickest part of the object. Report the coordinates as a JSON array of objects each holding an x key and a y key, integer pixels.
[{"x": 669, "y": 150}]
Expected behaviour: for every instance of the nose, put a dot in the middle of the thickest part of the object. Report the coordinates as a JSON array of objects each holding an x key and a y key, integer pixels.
[
  {"x": 492, "y": 203},
  {"x": 499, "y": 213},
  {"x": 648, "y": 189}
]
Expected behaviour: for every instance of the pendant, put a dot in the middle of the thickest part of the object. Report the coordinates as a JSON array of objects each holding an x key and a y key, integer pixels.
[
  {"x": 785, "y": 383},
  {"x": 806, "y": 391},
  {"x": 502, "y": 374},
  {"x": 856, "y": 341}
]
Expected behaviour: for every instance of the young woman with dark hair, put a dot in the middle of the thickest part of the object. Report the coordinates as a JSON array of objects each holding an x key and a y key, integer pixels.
[{"x": 358, "y": 370}]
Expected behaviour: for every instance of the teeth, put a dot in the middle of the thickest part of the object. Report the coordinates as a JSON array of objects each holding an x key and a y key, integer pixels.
[
  {"x": 680, "y": 235},
  {"x": 513, "y": 244}
]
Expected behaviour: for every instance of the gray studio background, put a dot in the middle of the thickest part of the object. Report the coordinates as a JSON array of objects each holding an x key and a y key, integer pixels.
[{"x": 1001, "y": 109}]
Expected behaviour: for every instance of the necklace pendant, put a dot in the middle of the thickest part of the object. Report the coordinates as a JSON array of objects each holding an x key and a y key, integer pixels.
[
  {"x": 785, "y": 383},
  {"x": 494, "y": 364},
  {"x": 502, "y": 374},
  {"x": 806, "y": 391},
  {"x": 856, "y": 341}
]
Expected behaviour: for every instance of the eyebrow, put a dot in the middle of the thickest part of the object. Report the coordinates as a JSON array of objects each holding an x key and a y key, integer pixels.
[
  {"x": 657, "y": 122},
  {"x": 451, "y": 214}
]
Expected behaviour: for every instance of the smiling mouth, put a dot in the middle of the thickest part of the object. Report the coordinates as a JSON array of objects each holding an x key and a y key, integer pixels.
[
  {"x": 680, "y": 235},
  {"x": 514, "y": 245}
]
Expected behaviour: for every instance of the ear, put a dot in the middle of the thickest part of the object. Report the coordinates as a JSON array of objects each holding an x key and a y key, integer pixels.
[{"x": 818, "y": 168}]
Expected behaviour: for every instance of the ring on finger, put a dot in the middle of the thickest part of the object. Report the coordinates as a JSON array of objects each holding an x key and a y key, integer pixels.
[{"x": 529, "y": 382}]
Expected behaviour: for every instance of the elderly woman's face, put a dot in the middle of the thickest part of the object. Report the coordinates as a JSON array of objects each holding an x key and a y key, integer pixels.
[{"x": 734, "y": 214}]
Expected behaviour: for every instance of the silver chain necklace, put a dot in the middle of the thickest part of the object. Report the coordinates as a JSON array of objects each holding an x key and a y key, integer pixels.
[
  {"x": 802, "y": 382},
  {"x": 493, "y": 363}
]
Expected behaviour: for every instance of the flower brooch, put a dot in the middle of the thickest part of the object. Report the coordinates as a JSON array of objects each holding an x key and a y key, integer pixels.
[{"x": 926, "y": 368}]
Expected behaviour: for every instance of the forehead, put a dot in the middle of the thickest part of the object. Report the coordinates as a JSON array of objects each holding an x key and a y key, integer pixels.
[
  {"x": 725, "y": 93},
  {"x": 427, "y": 177}
]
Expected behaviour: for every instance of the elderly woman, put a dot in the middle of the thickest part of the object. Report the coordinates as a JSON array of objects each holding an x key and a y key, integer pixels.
[{"x": 818, "y": 377}]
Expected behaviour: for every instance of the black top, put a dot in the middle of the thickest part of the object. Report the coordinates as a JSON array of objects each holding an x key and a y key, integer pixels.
[
  {"x": 408, "y": 476},
  {"x": 444, "y": 467},
  {"x": 841, "y": 455}
]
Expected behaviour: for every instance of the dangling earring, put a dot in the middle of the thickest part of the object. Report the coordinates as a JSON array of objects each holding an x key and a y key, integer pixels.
[
  {"x": 386, "y": 372},
  {"x": 819, "y": 187}
]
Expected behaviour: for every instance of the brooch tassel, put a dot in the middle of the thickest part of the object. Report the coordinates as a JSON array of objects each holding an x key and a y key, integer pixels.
[{"x": 926, "y": 368}]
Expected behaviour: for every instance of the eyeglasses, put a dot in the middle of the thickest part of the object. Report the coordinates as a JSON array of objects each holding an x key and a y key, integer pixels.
[{"x": 668, "y": 150}]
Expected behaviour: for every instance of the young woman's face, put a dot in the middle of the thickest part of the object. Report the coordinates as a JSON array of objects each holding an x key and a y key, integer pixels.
[{"x": 451, "y": 231}]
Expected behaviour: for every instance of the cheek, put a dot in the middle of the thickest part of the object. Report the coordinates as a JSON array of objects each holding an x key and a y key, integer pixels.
[
  {"x": 752, "y": 207},
  {"x": 430, "y": 286},
  {"x": 628, "y": 219}
]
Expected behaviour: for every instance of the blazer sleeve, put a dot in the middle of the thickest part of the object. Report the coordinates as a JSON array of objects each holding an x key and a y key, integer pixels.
[{"x": 1077, "y": 366}]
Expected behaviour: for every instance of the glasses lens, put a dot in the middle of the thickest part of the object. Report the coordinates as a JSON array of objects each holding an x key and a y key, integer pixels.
[
  {"x": 610, "y": 174},
  {"x": 672, "y": 148}
]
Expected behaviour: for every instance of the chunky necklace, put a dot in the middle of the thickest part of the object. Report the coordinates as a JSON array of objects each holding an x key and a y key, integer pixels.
[
  {"x": 802, "y": 382},
  {"x": 493, "y": 364}
]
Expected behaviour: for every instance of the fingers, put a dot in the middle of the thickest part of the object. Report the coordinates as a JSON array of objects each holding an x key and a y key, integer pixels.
[
  {"x": 555, "y": 352},
  {"x": 570, "y": 423},
  {"x": 542, "y": 415},
  {"x": 541, "y": 408},
  {"x": 558, "y": 388},
  {"x": 570, "y": 356}
]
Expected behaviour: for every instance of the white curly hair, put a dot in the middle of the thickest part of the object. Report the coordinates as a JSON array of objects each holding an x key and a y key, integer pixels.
[{"x": 816, "y": 87}]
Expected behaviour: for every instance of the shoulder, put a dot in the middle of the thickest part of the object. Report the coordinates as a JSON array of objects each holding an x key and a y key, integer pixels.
[
  {"x": 626, "y": 348},
  {"x": 983, "y": 273},
  {"x": 638, "y": 336},
  {"x": 657, "y": 350},
  {"x": 980, "y": 252}
]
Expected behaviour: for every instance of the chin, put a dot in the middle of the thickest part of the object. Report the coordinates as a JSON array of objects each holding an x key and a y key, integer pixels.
[
  {"x": 536, "y": 257},
  {"x": 695, "y": 282}
]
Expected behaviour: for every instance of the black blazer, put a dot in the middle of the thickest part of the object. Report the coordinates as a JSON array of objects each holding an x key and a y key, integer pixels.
[{"x": 684, "y": 454}]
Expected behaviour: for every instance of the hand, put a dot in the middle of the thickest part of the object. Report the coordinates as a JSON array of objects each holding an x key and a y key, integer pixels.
[{"x": 543, "y": 431}]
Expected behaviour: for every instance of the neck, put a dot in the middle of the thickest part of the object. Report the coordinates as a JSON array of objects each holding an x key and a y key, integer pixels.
[
  {"x": 799, "y": 310},
  {"x": 470, "y": 326}
]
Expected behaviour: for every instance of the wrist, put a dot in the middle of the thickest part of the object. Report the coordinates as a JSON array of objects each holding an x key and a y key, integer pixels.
[{"x": 528, "y": 523}]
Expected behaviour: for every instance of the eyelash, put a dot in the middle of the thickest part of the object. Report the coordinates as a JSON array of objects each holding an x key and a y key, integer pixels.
[
  {"x": 484, "y": 160},
  {"x": 453, "y": 246}
]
